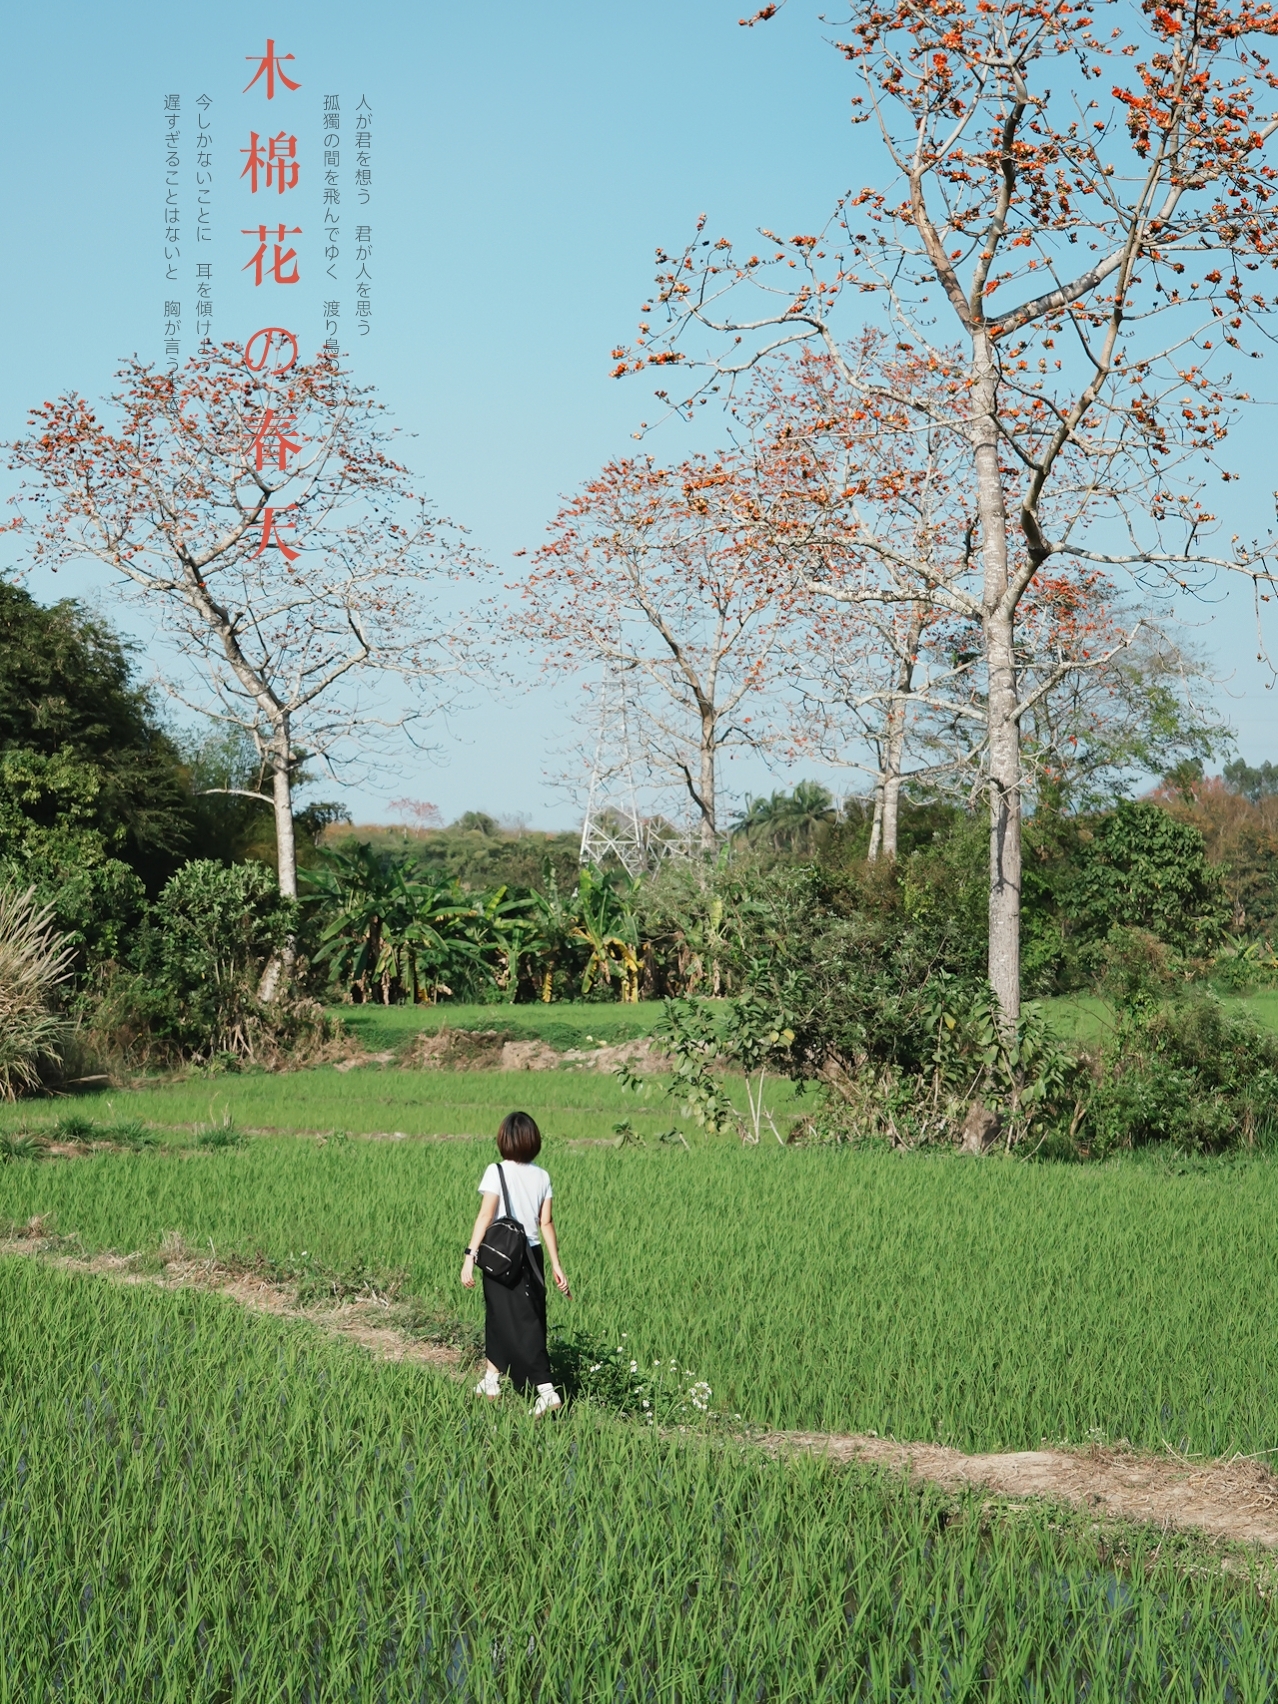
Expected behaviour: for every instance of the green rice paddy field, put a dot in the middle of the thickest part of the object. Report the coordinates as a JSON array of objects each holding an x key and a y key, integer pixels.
[{"x": 199, "y": 1503}]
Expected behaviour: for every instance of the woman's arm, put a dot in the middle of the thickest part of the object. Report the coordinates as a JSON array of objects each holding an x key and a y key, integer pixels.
[
  {"x": 552, "y": 1244},
  {"x": 487, "y": 1213}
]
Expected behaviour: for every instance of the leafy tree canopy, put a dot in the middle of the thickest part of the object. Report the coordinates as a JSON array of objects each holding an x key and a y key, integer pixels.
[
  {"x": 1253, "y": 784},
  {"x": 88, "y": 771}
]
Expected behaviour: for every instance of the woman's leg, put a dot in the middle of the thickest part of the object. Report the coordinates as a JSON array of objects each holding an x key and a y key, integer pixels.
[
  {"x": 490, "y": 1384},
  {"x": 496, "y": 1339},
  {"x": 531, "y": 1366}
]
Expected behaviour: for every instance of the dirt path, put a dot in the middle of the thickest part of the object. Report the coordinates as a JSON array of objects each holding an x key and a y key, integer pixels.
[
  {"x": 369, "y": 1321},
  {"x": 1235, "y": 1499}
]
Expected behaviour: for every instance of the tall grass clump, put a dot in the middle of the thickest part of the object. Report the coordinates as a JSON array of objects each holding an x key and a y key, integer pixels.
[
  {"x": 206, "y": 1505},
  {"x": 35, "y": 960}
]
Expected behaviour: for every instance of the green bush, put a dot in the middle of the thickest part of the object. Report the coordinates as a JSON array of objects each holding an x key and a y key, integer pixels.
[
  {"x": 1188, "y": 1072},
  {"x": 191, "y": 987},
  {"x": 1136, "y": 867}
]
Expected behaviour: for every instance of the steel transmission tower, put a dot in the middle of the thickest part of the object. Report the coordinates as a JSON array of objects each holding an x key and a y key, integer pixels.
[{"x": 612, "y": 823}]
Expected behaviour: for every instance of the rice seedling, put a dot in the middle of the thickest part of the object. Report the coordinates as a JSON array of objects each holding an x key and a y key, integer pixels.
[
  {"x": 21, "y": 1145},
  {"x": 219, "y": 1133},
  {"x": 984, "y": 1304},
  {"x": 131, "y": 1133},
  {"x": 74, "y": 1127},
  {"x": 207, "y": 1505}
]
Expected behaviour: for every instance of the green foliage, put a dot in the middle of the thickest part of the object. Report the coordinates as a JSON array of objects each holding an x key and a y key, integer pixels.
[
  {"x": 689, "y": 1032},
  {"x": 845, "y": 960},
  {"x": 1138, "y": 866},
  {"x": 389, "y": 934},
  {"x": 222, "y": 1133},
  {"x": 1187, "y": 1072},
  {"x": 224, "y": 768},
  {"x": 21, "y": 1145},
  {"x": 789, "y": 822},
  {"x": 1254, "y": 784},
  {"x": 190, "y": 989},
  {"x": 479, "y": 858},
  {"x": 389, "y": 931},
  {"x": 1239, "y": 826},
  {"x": 87, "y": 773},
  {"x": 660, "y": 1394},
  {"x": 603, "y": 920},
  {"x": 95, "y": 807},
  {"x": 1085, "y": 743},
  {"x": 1143, "y": 869}
]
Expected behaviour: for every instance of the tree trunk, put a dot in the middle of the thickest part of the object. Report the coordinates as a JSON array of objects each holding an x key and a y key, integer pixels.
[
  {"x": 285, "y": 838},
  {"x": 998, "y": 621},
  {"x": 709, "y": 832},
  {"x": 279, "y": 971},
  {"x": 876, "y": 825},
  {"x": 895, "y": 740},
  {"x": 1005, "y": 820},
  {"x": 887, "y": 799},
  {"x": 894, "y": 752}
]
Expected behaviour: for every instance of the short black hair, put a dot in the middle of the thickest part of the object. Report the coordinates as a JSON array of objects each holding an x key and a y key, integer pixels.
[{"x": 519, "y": 1138}]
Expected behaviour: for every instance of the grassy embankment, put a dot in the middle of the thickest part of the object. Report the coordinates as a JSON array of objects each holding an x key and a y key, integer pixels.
[{"x": 568, "y": 1103}]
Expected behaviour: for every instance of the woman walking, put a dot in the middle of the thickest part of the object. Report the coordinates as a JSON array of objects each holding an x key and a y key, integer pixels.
[{"x": 515, "y": 1315}]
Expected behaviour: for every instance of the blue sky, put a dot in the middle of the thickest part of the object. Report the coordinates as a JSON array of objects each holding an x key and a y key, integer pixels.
[{"x": 527, "y": 160}]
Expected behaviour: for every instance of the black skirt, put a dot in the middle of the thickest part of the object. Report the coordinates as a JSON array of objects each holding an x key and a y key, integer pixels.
[{"x": 515, "y": 1325}]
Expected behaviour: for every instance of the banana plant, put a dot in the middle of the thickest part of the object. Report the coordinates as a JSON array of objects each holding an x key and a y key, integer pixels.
[
  {"x": 556, "y": 918},
  {"x": 390, "y": 934},
  {"x": 511, "y": 928},
  {"x": 607, "y": 925}
]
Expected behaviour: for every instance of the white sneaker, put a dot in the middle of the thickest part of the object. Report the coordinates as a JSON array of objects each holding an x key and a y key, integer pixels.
[
  {"x": 547, "y": 1398},
  {"x": 489, "y": 1385}
]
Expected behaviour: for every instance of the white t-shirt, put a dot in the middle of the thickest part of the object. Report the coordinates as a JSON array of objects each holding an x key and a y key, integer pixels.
[{"x": 528, "y": 1186}]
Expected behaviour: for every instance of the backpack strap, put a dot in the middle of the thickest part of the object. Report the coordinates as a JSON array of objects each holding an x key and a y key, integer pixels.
[
  {"x": 504, "y": 1191},
  {"x": 529, "y": 1261}
]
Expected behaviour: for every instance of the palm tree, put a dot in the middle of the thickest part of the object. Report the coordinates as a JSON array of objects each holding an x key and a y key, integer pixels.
[{"x": 789, "y": 822}]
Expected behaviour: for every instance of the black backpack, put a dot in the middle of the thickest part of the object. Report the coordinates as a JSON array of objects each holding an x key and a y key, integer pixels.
[{"x": 503, "y": 1254}]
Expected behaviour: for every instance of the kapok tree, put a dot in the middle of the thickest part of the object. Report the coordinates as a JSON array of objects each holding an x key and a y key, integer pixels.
[
  {"x": 656, "y": 573},
  {"x": 862, "y": 494},
  {"x": 261, "y": 518},
  {"x": 1084, "y": 209},
  {"x": 859, "y": 492}
]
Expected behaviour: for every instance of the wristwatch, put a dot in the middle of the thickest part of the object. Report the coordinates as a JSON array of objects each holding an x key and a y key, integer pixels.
[{"x": 468, "y": 1251}]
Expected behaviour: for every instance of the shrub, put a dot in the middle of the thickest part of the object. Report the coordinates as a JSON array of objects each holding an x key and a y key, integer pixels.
[
  {"x": 1142, "y": 869},
  {"x": 193, "y": 989},
  {"x": 1189, "y": 1072},
  {"x": 34, "y": 963}
]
